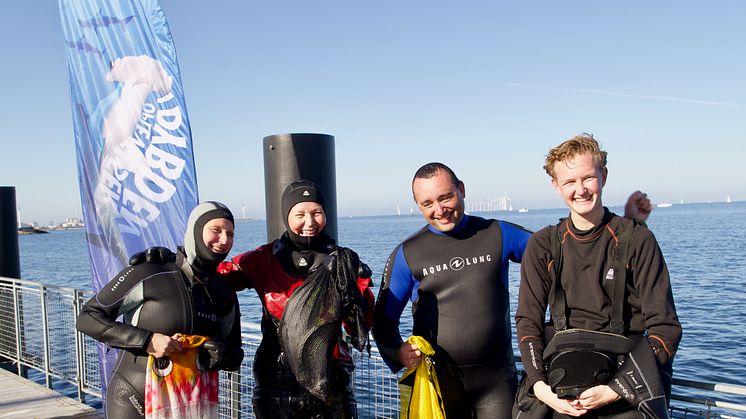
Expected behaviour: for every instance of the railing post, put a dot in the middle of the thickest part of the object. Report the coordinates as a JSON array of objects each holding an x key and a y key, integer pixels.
[
  {"x": 18, "y": 319},
  {"x": 45, "y": 332},
  {"x": 235, "y": 394},
  {"x": 79, "y": 348}
]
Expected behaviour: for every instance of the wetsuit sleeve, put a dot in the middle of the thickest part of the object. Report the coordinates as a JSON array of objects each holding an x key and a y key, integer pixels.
[
  {"x": 365, "y": 306},
  {"x": 653, "y": 283},
  {"x": 396, "y": 288},
  {"x": 641, "y": 384},
  {"x": 532, "y": 305},
  {"x": 237, "y": 271},
  {"x": 368, "y": 300},
  {"x": 122, "y": 295},
  {"x": 515, "y": 239}
]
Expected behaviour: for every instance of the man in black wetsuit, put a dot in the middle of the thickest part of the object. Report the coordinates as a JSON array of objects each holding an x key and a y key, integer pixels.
[
  {"x": 455, "y": 270},
  {"x": 582, "y": 259}
]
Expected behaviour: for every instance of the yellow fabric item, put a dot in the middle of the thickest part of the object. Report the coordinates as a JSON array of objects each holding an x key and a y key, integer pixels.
[{"x": 421, "y": 400}]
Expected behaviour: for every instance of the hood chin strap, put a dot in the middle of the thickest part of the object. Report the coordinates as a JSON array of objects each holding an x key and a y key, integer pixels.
[
  {"x": 301, "y": 243},
  {"x": 204, "y": 267}
]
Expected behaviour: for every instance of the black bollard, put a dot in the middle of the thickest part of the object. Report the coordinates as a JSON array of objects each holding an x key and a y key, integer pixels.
[
  {"x": 10, "y": 267},
  {"x": 10, "y": 261},
  {"x": 291, "y": 157}
]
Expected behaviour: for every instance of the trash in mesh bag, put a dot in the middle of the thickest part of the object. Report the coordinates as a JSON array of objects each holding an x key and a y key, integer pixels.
[
  {"x": 578, "y": 359},
  {"x": 419, "y": 389},
  {"x": 311, "y": 323}
]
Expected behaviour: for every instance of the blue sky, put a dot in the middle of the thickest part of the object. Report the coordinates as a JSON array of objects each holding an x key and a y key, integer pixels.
[{"x": 486, "y": 87}]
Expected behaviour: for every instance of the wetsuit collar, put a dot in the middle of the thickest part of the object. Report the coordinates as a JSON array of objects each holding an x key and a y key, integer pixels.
[
  {"x": 592, "y": 231},
  {"x": 455, "y": 230}
]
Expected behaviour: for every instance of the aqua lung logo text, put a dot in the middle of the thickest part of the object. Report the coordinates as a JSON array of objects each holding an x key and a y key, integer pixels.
[
  {"x": 456, "y": 263},
  {"x": 208, "y": 316},
  {"x": 120, "y": 280}
]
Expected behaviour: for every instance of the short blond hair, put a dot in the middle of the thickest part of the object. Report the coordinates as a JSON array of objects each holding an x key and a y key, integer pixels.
[{"x": 579, "y": 144}]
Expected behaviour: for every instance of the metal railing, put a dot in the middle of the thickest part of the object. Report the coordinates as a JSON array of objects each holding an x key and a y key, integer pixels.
[{"x": 37, "y": 332}]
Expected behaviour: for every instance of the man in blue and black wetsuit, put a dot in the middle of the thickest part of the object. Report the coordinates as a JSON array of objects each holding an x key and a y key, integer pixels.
[{"x": 455, "y": 271}]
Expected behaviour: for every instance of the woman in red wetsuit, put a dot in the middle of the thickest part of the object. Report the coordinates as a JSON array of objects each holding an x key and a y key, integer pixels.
[{"x": 275, "y": 270}]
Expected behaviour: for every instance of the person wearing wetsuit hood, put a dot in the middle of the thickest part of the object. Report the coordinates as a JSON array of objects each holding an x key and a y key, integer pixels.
[
  {"x": 299, "y": 251},
  {"x": 161, "y": 297},
  {"x": 276, "y": 270}
]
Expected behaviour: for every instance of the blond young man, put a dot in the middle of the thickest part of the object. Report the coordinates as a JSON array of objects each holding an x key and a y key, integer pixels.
[{"x": 589, "y": 241}]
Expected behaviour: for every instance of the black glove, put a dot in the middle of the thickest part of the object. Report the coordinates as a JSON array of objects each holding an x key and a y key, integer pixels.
[
  {"x": 363, "y": 271},
  {"x": 154, "y": 254},
  {"x": 212, "y": 355}
]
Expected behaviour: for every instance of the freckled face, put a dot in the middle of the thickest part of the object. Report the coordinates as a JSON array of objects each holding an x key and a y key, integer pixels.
[
  {"x": 307, "y": 219},
  {"x": 218, "y": 235},
  {"x": 440, "y": 201},
  {"x": 579, "y": 182}
]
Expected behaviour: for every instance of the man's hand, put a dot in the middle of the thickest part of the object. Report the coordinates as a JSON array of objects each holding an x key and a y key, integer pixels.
[
  {"x": 638, "y": 207},
  {"x": 595, "y": 397},
  {"x": 566, "y": 407},
  {"x": 409, "y": 355},
  {"x": 161, "y": 345}
]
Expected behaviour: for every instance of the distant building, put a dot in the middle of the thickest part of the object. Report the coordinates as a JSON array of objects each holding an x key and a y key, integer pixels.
[{"x": 72, "y": 223}]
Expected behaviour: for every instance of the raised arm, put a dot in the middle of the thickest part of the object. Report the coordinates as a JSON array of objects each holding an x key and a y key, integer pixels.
[{"x": 638, "y": 207}]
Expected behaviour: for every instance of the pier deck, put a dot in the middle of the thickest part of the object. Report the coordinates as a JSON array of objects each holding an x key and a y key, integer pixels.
[{"x": 21, "y": 398}]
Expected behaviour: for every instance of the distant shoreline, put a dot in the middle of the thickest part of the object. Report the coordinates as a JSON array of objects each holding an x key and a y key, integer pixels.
[
  {"x": 25, "y": 231},
  {"x": 384, "y": 214}
]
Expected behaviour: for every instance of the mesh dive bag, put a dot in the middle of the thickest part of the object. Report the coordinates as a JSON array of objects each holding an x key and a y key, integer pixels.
[{"x": 311, "y": 323}]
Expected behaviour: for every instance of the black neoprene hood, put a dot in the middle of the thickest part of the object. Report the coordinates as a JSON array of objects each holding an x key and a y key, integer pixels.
[{"x": 297, "y": 192}]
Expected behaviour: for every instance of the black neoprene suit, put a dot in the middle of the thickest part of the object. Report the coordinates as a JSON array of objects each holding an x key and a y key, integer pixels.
[
  {"x": 156, "y": 297},
  {"x": 458, "y": 285},
  {"x": 588, "y": 257}
]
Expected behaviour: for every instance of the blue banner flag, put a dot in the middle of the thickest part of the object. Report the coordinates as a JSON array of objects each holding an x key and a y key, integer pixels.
[{"x": 134, "y": 147}]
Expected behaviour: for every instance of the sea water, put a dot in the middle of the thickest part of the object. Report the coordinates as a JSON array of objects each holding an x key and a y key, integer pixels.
[{"x": 704, "y": 246}]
